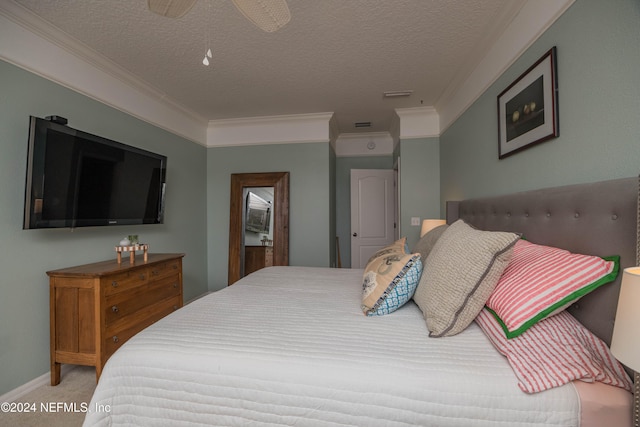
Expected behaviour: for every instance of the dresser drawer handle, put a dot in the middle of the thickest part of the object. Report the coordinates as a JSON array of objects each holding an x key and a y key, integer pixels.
[
  {"x": 175, "y": 285},
  {"x": 155, "y": 272},
  {"x": 175, "y": 267},
  {"x": 116, "y": 339},
  {"x": 114, "y": 284},
  {"x": 141, "y": 276},
  {"x": 115, "y": 309},
  {"x": 175, "y": 307}
]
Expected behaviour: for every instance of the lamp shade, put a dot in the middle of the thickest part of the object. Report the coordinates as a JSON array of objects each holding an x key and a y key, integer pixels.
[
  {"x": 430, "y": 224},
  {"x": 625, "y": 344}
]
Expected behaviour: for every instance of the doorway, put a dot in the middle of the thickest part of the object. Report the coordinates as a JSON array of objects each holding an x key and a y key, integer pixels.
[
  {"x": 373, "y": 210},
  {"x": 279, "y": 236}
]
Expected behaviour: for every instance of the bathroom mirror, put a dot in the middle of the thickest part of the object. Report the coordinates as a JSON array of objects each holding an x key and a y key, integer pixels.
[{"x": 252, "y": 219}]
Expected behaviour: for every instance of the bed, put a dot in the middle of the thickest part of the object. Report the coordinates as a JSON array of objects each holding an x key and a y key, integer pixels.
[{"x": 291, "y": 346}]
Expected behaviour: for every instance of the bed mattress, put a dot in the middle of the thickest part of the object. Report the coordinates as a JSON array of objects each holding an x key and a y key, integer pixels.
[{"x": 290, "y": 346}]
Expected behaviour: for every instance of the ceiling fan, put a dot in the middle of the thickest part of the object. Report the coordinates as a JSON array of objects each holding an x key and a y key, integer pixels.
[{"x": 268, "y": 15}]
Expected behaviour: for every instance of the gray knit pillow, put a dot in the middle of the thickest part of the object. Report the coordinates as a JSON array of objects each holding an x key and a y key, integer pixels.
[
  {"x": 459, "y": 274},
  {"x": 428, "y": 241}
]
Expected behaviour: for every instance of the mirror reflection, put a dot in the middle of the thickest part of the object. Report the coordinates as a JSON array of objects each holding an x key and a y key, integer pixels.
[
  {"x": 266, "y": 224},
  {"x": 258, "y": 228}
]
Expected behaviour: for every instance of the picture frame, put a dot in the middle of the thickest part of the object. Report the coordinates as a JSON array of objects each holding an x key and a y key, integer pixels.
[{"x": 528, "y": 108}]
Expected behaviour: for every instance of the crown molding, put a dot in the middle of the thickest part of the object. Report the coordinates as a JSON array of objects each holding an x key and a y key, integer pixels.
[
  {"x": 357, "y": 144},
  {"x": 334, "y": 133},
  {"x": 394, "y": 129},
  {"x": 285, "y": 129},
  {"x": 419, "y": 122},
  {"x": 33, "y": 44},
  {"x": 530, "y": 22}
]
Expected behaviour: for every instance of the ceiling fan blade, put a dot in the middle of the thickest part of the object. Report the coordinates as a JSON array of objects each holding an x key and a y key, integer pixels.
[
  {"x": 268, "y": 15},
  {"x": 170, "y": 8}
]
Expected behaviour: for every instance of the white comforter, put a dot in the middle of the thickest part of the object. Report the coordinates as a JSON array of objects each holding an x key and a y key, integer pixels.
[{"x": 290, "y": 346}]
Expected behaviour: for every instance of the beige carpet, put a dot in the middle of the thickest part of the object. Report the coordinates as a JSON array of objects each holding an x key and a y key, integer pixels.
[{"x": 75, "y": 389}]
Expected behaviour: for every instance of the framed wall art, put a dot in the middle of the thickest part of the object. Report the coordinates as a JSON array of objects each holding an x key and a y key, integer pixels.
[{"x": 528, "y": 108}]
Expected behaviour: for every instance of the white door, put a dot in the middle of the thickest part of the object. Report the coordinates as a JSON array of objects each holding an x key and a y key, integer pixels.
[{"x": 372, "y": 213}]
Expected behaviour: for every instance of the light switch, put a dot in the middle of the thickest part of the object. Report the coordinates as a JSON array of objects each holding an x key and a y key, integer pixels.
[{"x": 415, "y": 220}]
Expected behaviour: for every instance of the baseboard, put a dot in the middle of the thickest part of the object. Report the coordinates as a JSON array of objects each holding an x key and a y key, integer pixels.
[{"x": 44, "y": 379}]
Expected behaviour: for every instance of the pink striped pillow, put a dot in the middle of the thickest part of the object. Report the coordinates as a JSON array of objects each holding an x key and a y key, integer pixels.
[
  {"x": 541, "y": 281},
  {"x": 555, "y": 351}
]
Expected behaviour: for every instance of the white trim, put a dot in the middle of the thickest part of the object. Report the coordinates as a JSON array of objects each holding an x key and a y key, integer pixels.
[
  {"x": 44, "y": 379},
  {"x": 356, "y": 144},
  {"x": 297, "y": 128},
  {"x": 394, "y": 129},
  {"x": 535, "y": 17},
  {"x": 334, "y": 133},
  {"x": 29, "y": 42},
  {"x": 420, "y": 122}
]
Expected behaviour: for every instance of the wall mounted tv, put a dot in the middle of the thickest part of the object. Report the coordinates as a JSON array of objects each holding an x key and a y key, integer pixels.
[{"x": 75, "y": 179}]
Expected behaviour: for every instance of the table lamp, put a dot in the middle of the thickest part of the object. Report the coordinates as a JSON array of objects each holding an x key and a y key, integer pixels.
[
  {"x": 625, "y": 344},
  {"x": 430, "y": 224}
]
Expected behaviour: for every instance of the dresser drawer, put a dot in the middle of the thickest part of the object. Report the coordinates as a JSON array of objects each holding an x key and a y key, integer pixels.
[
  {"x": 95, "y": 308},
  {"x": 124, "y": 281},
  {"x": 122, "y": 304},
  {"x": 164, "y": 269},
  {"x": 268, "y": 256},
  {"x": 120, "y": 332}
]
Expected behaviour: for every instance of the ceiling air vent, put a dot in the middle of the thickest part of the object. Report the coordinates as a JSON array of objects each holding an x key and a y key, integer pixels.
[
  {"x": 395, "y": 93},
  {"x": 363, "y": 124}
]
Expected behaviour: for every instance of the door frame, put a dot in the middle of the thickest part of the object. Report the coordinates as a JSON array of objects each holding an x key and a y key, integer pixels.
[{"x": 280, "y": 183}]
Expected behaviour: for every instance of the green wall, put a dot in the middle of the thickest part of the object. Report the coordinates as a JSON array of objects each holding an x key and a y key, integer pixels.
[
  {"x": 599, "y": 96},
  {"x": 599, "y": 106},
  {"x": 310, "y": 233},
  {"x": 419, "y": 187},
  {"x": 332, "y": 208},
  {"x": 419, "y": 184},
  {"x": 343, "y": 196},
  {"x": 28, "y": 254}
]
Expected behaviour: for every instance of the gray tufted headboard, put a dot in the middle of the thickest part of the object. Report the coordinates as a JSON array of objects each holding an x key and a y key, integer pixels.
[{"x": 596, "y": 219}]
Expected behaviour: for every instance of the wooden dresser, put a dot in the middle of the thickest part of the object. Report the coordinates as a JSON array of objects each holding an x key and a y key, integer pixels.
[
  {"x": 95, "y": 308},
  {"x": 257, "y": 257}
]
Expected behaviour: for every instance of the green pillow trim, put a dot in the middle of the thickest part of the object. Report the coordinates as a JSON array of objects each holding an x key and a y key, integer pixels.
[{"x": 610, "y": 277}]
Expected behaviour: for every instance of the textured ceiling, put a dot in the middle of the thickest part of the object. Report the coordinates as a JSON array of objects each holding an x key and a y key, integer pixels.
[{"x": 333, "y": 56}]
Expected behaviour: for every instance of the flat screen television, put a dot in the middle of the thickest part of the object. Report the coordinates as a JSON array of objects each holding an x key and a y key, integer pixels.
[{"x": 76, "y": 179}]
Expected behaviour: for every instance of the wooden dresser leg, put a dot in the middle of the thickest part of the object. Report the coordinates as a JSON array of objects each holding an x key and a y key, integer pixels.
[{"x": 55, "y": 373}]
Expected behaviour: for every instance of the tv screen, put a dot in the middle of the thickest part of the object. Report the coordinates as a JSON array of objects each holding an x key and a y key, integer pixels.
[{"x": 76, "y": 179}]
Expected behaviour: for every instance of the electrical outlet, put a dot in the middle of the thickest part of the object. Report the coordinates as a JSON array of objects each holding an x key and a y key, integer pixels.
[{"x": 415, "y": 220}]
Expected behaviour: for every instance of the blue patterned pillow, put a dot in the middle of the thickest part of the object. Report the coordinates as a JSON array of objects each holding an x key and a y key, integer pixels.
[{"x": 389, "y": 281}]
